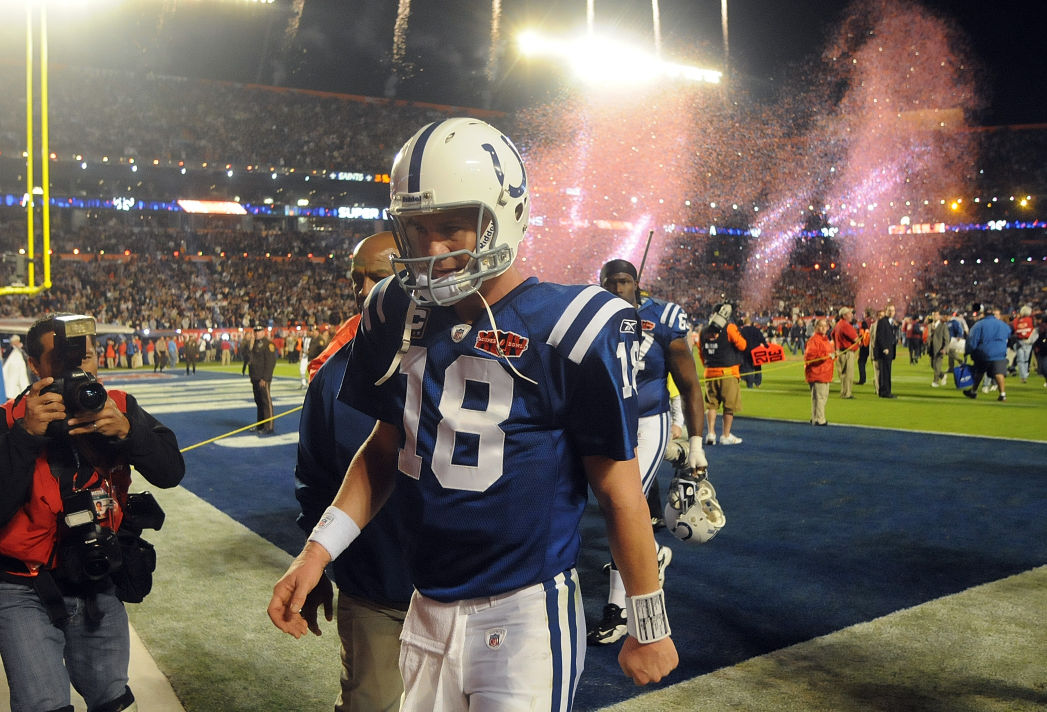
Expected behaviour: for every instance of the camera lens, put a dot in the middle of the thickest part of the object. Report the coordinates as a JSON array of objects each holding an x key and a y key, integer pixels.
[{"x": 91, "y": 397}]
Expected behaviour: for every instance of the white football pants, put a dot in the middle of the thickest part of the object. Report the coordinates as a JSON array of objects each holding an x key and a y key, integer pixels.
[{"x": 516, "y": 652}]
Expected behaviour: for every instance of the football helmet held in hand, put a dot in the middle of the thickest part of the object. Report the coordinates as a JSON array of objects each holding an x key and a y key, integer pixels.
[{"x": 692, "y": 513}]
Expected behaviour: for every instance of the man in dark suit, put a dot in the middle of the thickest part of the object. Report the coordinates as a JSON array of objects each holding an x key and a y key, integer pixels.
[{"x": 884, "y": 349}]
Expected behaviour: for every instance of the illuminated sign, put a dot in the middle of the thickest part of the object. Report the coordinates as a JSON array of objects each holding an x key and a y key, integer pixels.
[
  {"x": 212, "y": 207},
  {"x": 123, "y": 203},
  {"x": 916, "y": 229},
  {"x": 357, "y": 177},
  {"x": 359, "y": 213}
]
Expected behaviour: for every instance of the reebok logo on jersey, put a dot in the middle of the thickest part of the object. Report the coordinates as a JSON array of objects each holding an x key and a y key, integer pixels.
[
  {"x": 628, "y": 326},
  {"x": 647, "y": 325},
  {"x": 512, "y": 344}
]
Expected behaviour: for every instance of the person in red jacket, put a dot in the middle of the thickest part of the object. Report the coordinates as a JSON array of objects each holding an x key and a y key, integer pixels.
[
  {"x": 847, "y": 343},
  {"x": 68, "y": 453},
  {"x": 818, "y": 369}
]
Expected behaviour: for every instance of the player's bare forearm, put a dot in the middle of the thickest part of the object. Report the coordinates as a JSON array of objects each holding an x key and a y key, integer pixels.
[
  {"x": 616, "y": 485},
  {"x": 371, "y": 475}
]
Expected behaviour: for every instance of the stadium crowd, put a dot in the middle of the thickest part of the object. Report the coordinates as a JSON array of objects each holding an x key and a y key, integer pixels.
[{"x": 214, "y": 272}]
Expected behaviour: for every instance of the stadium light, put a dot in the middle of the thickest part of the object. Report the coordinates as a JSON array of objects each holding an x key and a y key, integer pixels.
[{"x": 604, "y": 60}]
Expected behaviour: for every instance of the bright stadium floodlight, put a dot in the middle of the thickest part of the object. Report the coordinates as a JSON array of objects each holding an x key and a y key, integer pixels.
[{"x": 604, "y": 60}]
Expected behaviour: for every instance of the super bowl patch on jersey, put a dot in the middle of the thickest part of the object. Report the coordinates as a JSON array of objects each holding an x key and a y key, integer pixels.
[{"x": 495, "y": 637}]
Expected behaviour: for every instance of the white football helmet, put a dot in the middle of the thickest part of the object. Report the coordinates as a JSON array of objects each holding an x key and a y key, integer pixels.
[
  {"x": 692, "y": 513},
  {"x": 450, "y": 165}
]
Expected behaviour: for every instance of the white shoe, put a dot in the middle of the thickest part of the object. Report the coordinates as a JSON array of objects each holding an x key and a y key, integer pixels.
[
  {"x": 710, "y": 439},
  {"x": 985, "y": 389},
  {"x": 994, "y": 387},
  {"x": 730, "y": 440},
  {"x": 934, "y": 384}
]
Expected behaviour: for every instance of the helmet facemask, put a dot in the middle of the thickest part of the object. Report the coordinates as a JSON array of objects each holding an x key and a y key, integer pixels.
[{"x": 425, "y": 277}]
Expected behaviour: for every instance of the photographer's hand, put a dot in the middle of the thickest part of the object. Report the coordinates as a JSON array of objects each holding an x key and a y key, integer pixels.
[
  {"x": 109, "y": 422},
  {"x": 42, "y": 408}
]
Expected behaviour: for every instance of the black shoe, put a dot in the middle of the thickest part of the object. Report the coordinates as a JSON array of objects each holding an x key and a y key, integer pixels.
[
  {"x": 611, "y": 628},
  {"x": 825, "y": 423},
  {"x": 1001, "y": 398},
  {"x": 970, "y": 393},
  {"x": 889, "y": 395}
]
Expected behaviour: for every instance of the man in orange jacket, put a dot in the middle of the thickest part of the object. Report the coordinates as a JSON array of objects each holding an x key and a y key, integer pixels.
[{"x": 818, "y": 369}]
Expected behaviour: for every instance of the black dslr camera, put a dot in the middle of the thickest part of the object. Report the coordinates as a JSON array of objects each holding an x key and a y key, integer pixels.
[
  {"x": 91, "y": 552},
  {"x": 81, "y": 392}
]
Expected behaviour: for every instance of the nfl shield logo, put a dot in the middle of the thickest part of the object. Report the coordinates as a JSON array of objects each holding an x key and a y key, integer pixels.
[
  {"x": 458, "y": 333},
  {"x": 495, "y": 637}
]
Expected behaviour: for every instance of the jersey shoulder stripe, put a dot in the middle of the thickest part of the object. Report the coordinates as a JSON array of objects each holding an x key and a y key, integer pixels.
[{"x": 593, "y": 306}]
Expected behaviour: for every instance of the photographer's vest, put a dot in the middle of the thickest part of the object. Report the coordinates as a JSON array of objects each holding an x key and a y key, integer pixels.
[{"x": 31, "y": 535}]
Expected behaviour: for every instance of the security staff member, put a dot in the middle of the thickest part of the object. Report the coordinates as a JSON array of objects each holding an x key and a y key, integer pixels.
[{"x": 260, "y": 367}]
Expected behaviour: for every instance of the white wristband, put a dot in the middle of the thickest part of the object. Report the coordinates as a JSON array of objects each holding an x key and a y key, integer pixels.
[
  {"x": 646, "y": 619},
  {"x": 335, "y": 531}
]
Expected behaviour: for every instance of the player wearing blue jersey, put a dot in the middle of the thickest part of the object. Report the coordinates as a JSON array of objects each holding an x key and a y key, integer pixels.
[
  {"x": 664, "y": 350},
  {"x": 498, "y": 399}
]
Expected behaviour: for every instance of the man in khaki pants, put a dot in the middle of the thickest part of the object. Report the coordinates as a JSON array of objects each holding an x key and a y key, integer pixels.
[{"x": 845, "y": 338}]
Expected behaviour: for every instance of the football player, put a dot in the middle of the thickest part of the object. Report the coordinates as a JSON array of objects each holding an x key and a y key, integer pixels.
[
  {"x": 664, "y": 350},
  {"x": 498, "y": 399}
]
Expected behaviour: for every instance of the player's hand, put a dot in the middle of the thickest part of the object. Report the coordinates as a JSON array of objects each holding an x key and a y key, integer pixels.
[
  {"x": 696, "y": 454},
  {"x": 650, "y": 662},
  {"x": 289, "y": 593},
  {"x": 42, "y": 408},
  {"x": 322, "y": 595}
]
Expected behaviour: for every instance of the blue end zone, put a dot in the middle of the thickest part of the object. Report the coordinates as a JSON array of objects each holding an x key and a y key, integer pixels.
[{"x": 826, "y": 528}]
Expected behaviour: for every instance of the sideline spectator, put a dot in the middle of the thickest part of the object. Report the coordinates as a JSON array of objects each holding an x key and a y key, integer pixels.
[
  {"x": 720, "y": 348},
  {"x": 846, "y": 341},
  {"x": 987, "y": 345},
  {"x": 886, "y": 345},
  {"x": 818, "y": 369}
]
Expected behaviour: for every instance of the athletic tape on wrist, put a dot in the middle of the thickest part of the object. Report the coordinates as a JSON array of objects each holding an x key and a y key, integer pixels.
[
  {"x": 646, "y": 619},
  {"x": 335, "y": 531}
]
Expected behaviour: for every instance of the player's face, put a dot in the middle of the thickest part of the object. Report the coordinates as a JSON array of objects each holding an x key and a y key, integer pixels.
[
  {"x": 439, "y": 234},
  {"x": 621, "y": 284}
]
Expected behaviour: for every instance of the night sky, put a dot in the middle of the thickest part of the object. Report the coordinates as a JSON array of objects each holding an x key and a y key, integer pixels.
[{"x": 347, "y": 45}]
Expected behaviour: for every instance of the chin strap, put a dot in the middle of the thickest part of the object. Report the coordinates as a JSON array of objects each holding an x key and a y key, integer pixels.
[
  {"x": 498, "y": 343},
  {"x": 405, "y": 344}
]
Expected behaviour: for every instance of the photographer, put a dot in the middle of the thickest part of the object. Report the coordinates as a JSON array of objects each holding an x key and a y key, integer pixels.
[{"x": 66, "y": 451}]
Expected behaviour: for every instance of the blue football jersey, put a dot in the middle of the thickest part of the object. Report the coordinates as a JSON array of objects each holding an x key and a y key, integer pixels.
[
  {"x": 492, "y": 444},
  {"x": 661, "y": 323}
]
